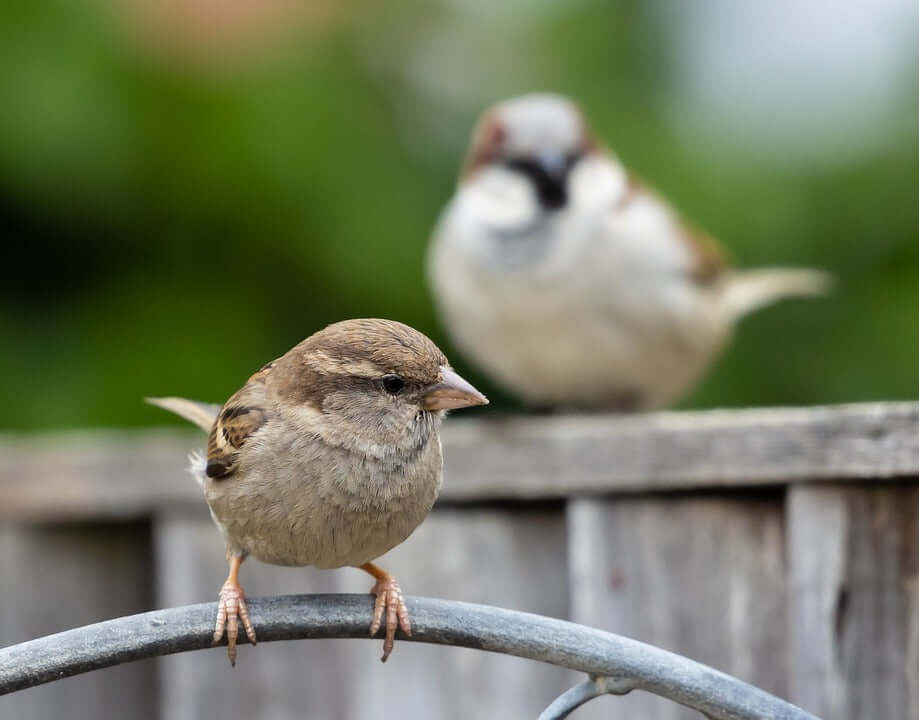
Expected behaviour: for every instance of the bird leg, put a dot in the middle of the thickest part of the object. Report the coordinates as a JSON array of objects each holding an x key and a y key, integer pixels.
[
  {"x": 389, "y": 598},
  {"x": 231, "y": 607}
]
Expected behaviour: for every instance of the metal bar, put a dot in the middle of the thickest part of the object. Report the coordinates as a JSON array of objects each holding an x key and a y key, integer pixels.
[
  {"x": 571, "y": 700},
  {"x": 558, "y": 642}
]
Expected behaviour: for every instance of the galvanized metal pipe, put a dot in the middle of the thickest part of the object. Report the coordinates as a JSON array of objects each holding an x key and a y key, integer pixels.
[{"x": 628, "y": 663}]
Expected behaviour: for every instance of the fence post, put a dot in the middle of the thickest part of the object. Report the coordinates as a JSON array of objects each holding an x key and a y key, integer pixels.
[{"x": 59, "y": 576}]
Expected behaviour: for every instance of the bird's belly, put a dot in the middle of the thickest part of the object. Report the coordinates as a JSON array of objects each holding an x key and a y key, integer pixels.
[
  {"x": 295, "y": 518},
  {"x": 341, "y": 539},
  {"x": 551, "y": 343}
]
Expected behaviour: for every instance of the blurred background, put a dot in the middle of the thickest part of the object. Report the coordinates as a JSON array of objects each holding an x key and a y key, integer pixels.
[{"x": 189, "y": 187}]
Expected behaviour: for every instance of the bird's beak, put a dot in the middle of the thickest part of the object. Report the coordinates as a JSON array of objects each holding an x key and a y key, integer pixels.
[{"x": 451, "y": 393}]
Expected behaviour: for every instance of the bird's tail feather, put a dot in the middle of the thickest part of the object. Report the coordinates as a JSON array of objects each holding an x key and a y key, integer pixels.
[
  {"x": 752, "y": 289},
  {"x": 201, "y": 414}
]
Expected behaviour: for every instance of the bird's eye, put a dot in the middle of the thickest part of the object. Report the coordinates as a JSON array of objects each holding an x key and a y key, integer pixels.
[{"x": 393, "y": 384}]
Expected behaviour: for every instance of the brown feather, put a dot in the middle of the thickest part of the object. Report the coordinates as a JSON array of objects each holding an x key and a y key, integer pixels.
[
  {"x": 241, "y": 416},
  {"x": 709, "y": 262},
  {"x": 486, "y": 144},
  {"x": 708, "y": 256},
  {"x": 199, "y": 413}
]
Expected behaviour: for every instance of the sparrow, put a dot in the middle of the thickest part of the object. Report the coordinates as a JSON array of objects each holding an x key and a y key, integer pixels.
[
  {"x": 329, "y": 456},
  {"x": 570, "y": 282}
]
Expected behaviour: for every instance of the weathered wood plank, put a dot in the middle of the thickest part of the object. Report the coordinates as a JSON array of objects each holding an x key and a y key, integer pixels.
[
  {"x": 56, "y": 578},
  {"x": 95, "y": 474},
  {"x": 703, "y": 577},
  {"x": 854, "y": 601},
  {"x": 531, "y": 457},
  {"x": 516, "y": 559},
  {"x": 129, "y": 474}
]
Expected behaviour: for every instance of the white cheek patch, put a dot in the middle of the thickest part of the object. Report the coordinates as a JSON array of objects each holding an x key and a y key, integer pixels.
[
  {"x": 499, "y": 198},
  {"x": 597, "y": 182}
]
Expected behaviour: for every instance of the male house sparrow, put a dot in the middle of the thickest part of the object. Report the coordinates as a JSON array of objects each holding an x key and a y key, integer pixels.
[
  {"x": 572, "y": 284},
  {"x": 328, "y": 456}
]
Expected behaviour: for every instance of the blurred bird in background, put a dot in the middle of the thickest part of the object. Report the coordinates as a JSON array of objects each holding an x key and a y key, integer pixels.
[{"x": 570, "y": 282}]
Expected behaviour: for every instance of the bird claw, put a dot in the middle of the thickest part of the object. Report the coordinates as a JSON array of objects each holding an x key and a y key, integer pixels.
[
  {"x": 231, "y": 608},
  {"x": 389, "y": 599}
]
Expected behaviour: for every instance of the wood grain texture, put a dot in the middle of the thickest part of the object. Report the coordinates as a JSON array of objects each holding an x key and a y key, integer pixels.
[
  {"x": 131, "y": 474},
  {"x": 703, "y": 577},
  {"x": 59, "y": 577},
  {"x": 513, "y": 559},
  {"x": 97, "y": 474},
  {"x": 533, "y": 457},
  {"x": 854, "y": 601}
]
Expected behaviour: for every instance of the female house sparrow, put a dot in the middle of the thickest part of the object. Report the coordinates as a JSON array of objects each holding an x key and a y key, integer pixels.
[
  {"x": 328, "y": 456},
  {"x": 571, "y": 283}
]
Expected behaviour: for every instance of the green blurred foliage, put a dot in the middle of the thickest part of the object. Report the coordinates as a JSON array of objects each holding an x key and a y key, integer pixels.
[{"x": 171, "y": 223}]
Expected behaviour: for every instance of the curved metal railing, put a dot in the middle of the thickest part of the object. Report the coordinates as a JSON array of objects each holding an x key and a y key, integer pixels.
[{"x": 614, "y": 664}]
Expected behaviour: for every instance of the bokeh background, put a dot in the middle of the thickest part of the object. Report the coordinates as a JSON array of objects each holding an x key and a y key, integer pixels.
[{"x": 189, "y": 187}]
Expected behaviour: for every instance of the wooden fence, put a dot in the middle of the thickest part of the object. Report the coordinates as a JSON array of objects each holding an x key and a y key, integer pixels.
[{"x": 781, "y": 546}]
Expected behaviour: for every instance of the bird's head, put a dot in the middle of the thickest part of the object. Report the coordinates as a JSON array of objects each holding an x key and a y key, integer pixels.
[
  {"x": 539, "y": 138},
  {"x": 377, "y": 386}
]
